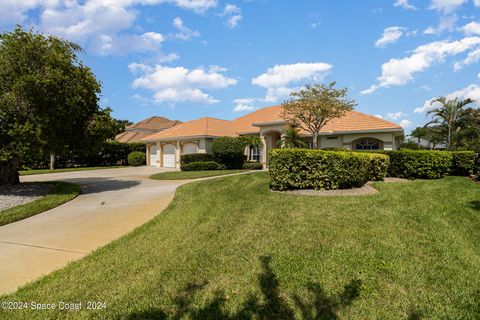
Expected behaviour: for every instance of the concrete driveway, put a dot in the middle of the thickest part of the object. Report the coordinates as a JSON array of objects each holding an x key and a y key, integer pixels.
[{"x": 112, "y": 203}]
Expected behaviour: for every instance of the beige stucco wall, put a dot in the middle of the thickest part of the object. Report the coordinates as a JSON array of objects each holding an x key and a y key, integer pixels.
[{"x": 386, "y": 137}]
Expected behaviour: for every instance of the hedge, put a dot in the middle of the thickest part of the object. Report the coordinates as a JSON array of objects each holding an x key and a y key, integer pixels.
[
  {"x": 252, "y": 166},
  {"x": 201, "y": 166},
  {"x": 195, "y": 157},
  {"x": 136, "y": 158},
  {"x": 463, "y": 163},
  {"x": 229, "y": 152},
  {"x": 323, "y": 170},
  {"x": 423, "y": 164}
]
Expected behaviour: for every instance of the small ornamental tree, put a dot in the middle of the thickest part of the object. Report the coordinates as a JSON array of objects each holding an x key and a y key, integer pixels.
[{"x": 313, "y": 106}]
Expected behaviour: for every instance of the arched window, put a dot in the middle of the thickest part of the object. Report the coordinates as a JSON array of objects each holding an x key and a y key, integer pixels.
[{"x": 367, "y": 144}]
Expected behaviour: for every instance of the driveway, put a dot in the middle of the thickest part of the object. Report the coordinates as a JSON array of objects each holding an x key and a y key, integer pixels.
[{"x": 112, "y": 203}]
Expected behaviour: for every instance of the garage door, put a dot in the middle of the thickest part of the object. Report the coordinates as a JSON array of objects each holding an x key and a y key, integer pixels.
[
  {"x": 189, "y": 148},
  {"x": 169, "y": 156},
  {"x": 153, "y": 155}
]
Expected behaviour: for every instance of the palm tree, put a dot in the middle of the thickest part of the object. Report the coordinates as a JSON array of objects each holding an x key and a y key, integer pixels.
[
  {"x": 291, "y": 139},
  {"x": 419, "y": 133},
  {"x": 449, "y": 114}
]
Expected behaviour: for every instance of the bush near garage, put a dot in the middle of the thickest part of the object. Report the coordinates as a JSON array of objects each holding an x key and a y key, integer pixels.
[
  {"x": 201, "y": 166},
  {"x": 292, "y": 169},
  {"x": 252, "y": 166},
  {"x": 136, "y": 158},
  {"x": 463, "y": 163},
  {"x": 419, "y": 164},
  {"x": 195, "y": 157},
  {"x": 228, "y": 151}
]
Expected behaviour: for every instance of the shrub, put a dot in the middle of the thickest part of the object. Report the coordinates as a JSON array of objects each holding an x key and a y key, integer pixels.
[
  {"x": 378, "y": 168},
  {"x": 252, "y": 166},
  {"x": 229, "y": 152},
  {"x": 200, "y": 166},
  {"x": 195, "y": 157},
  {"x": 136, "y": 158},
  {"x": 412, "y": 164},
  {"x": 324, "y": 170},
  {"x": 462, "y": 163}
]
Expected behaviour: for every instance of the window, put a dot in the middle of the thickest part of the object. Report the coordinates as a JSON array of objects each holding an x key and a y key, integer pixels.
[
  {"x": 253, "y": 154},
  {"x": 367, "y": 144}
]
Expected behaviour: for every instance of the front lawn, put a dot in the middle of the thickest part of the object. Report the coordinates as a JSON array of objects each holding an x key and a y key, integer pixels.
[
  {"x": 184, "y": 175},
  {"x": 44, "y": 171},
  {"x": 60, "y": 193},
  {"x": 230, "y": 248}
]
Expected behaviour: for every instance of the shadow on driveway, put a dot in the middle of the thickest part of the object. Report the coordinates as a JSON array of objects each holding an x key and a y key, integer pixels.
[{"x": 97, "y": 185}]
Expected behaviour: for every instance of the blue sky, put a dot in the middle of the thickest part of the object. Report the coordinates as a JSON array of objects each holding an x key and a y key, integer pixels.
[{"x": 185, "y": 59}]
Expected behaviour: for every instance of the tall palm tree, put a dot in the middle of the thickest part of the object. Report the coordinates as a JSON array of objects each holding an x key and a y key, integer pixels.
[
  {"x": 291, "y": 139},
  {"x": 448, "y": 114}
]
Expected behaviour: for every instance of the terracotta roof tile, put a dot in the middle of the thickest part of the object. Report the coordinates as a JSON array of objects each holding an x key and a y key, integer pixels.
[
  {"x": 154, "y": 123},
  {"x": 131, "y": 136},
  {"x": 200, "y": 127}
]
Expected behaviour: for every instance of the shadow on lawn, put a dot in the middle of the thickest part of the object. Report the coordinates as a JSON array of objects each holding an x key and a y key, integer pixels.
[
  {"x": 271, "y": 304},
  {"x": 475, "y": 205}
]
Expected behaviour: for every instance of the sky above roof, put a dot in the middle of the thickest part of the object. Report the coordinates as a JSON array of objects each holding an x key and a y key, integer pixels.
[{"x": 185, "y": 59}]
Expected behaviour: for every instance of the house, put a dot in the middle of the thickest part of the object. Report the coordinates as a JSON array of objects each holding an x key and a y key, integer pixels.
[
  {"x": 137, "y": 131},
  {"x": 355, "y": 130}
]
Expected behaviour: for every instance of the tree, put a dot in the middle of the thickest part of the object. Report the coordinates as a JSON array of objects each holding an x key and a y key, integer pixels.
[
  {"x": 291, "y": 139},
  {"x": 312, "y": 107},
  {"x": 48, "y": 98},
  {"x": 449, "y": 114},
  {"x": 419, "y": 133}
]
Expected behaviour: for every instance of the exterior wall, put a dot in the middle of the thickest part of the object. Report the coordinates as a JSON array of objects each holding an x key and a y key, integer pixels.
[
  {"x": 386, "y": 137},
  {"x": 203, "y": 146},
  {"x": 331, "y": 143}
]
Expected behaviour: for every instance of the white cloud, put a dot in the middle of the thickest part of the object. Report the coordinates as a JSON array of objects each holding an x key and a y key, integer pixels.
[
  {"x": 404, "y": 4},
  {"x": 379, "y": 116},
  {"x": 471, "y": 28},
  {"x": 168, "y": 58},
  {"x": 397, "y": 72},
  {"x": 390, "y": 35},
  {"x": 396, "y": 115},
  {"x": 233, "y": 14},
  {"x": 125, "y": 44},
  {"x": 277, "y": 80},
  {"x": 184, "y": 33},
  {"x": 179, "y": 84},
  {"x": 244, "y": 104},
  {"x": 405, "y": 123},
  {"x": 101, "y": 22},
  {"x": 472, "y": 91},
  {"x": 447, "y": 22},
  {"x": 477, "y": 3},
  {"x": 472, "y": 57},
  {"x": 446, "y": 6}
]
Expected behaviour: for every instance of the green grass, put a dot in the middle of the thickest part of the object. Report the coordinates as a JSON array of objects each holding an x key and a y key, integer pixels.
[
  {"x": 44, "y": 171},
  {"x": 183, "y": 175},
  {"x": 60, "y": 193},
  {"x": 229, "y": 248}
]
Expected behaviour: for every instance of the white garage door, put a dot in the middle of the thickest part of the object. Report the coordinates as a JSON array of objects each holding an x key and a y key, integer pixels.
[
  {"x": 153, "y": 155},
  {"x": 189, "y": 148},
  {"x": 169, "y": 156}
]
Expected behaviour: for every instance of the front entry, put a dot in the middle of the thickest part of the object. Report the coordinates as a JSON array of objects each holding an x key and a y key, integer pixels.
[{"x": 169, "y": 156}]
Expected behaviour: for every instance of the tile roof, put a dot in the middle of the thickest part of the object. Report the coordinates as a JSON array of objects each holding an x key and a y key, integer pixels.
[
  {"x": 154, "y": 123},
  {"x": 200, "y": 127},
  {"x": 352, "y": 121},
  {"x": 131, "y": 136}
]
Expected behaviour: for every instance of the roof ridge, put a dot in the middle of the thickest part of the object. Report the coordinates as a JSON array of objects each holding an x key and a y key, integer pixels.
[{"x": 376, "y": 118}]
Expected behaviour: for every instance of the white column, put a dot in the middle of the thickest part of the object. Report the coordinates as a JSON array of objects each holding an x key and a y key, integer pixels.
[
  {"x": 147, "y": 154},
  {"x": 159, "y": 155},
  {"x": 178, "y": 152},
  {"x": 263, "y": 155}
]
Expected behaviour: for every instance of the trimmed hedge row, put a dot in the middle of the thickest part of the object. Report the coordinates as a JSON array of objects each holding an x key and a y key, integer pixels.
[
  {"x": 252, "y": 166},
  {"x": 136, "y": 158},
  {"x": 228, "y": 151},
  {"x": 201, "y": 166},
  {"x": 323, "y": 170},
  {"x": 463, "y": 163},
  {"x": 195, "y": 157}
]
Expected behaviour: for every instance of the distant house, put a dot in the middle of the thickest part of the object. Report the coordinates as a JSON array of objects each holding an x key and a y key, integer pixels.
[
  {"x": 137, "y": 131},
  {"x": 355, "y": 131}
]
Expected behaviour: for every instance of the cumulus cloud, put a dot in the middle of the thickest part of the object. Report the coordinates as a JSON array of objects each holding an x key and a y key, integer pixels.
[
  {"x": 277, "y": 80},
  {"x": 447, "y": 22},
  {"x": 472, "y": 91},
  {"x": 379, "y": 116},
  {"x": 390, "y": 35},
  {"x": 471, "y": 28},
  {"x": 101, "y": 22},
  {"x": 125, "y": 44},
  {"x": 396, "y": 115},
  {"x": 233, "y": 14},
  {"x": 404, "y": 4},
  {"x": 184, "y": 33},
  {"x": 179, "y": 84},
  {"x": 472, "y": 57},
  {"x": 405, "y": 123},
  {"x": 397, "y": 72},
  {"x": 446, "y": 6},
  {"x": 244, "y": 104}
]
